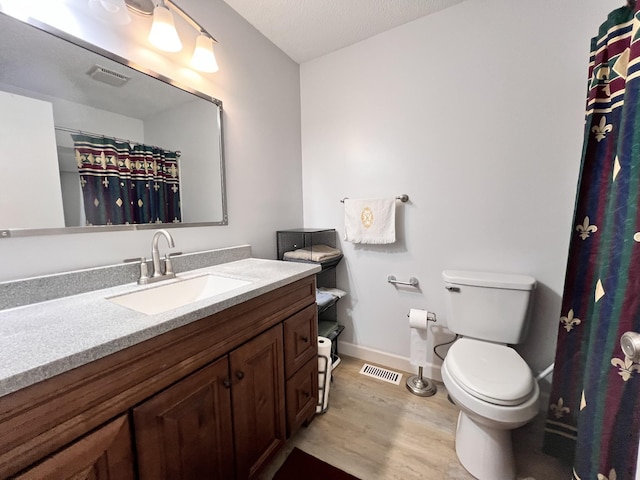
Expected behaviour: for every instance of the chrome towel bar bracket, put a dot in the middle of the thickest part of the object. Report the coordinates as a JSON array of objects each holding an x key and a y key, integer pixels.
[{"x": 413, "y": 281}]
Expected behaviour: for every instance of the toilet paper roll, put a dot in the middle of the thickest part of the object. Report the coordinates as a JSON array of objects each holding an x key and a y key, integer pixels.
[
  {"x": 418, "y": 346},
  {"x": 418, "y": 318},
  {"x": 324, "y": 373}
]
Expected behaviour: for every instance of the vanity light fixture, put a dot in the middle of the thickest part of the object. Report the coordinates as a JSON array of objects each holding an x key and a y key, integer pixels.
[
  {"x": 112, "y": 11},
  {"x": 163, "y": 32},
  {"x": 164, "y": 36}
]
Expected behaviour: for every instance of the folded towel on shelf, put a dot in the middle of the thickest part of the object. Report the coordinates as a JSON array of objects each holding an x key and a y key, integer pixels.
[
  {"x": 370, "y": 220},
  {"x": 327, "y": 297},
  {"x": 324, "y": 300},
  {"x": 316, "y": 253},
  {"x": 336, "y": 292}
]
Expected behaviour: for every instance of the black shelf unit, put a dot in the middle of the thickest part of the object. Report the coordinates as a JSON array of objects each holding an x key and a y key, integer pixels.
[{"x": 293, "y": 239}]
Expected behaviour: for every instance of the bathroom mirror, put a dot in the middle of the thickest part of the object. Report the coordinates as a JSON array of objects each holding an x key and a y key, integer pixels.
[{"x": 53, "y": 86}]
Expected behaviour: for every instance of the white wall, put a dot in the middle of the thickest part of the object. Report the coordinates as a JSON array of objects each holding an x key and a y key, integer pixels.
[
  {"x": 188, "y": 129},
  {"x": 30, "y": 178},
  {"x": 259, "y": 87},
  {"x": 476, "y": 113}
]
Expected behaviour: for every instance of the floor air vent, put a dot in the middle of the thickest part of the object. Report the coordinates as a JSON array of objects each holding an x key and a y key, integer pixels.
[{"x": 381, "y": 374}]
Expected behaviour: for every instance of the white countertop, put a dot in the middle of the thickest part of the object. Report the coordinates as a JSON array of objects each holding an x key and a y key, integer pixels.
[{"x": 41, "y": 340}]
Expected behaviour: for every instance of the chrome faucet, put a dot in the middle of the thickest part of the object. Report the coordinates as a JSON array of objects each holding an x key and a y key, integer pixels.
[
  {"x": 158, "y": 273},
  {"x": 155, "y": 255}
]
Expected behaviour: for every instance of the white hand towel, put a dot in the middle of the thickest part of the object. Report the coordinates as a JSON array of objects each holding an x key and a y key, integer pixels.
[{"x": 370, "y": 220}]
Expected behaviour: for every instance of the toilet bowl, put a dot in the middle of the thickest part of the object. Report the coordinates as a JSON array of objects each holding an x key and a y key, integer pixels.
[{"x": 496, "y": 392}]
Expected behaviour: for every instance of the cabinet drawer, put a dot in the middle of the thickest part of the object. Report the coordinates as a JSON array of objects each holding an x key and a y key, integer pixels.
[
  {"x": 105, "y": 454},
  {"x": 302, "y": 396},
  {"x": 300, "y": 339}
]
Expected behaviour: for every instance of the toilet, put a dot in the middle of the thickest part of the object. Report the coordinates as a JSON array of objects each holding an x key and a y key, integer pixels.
[{"x": 486, "y": 378}]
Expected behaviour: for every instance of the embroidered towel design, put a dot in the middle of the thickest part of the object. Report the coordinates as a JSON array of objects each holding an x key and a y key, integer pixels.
[{"x": 370, "y": 220}]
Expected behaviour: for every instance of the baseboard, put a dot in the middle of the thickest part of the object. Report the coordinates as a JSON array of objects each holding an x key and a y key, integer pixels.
[{"x": 388, "y": 360}]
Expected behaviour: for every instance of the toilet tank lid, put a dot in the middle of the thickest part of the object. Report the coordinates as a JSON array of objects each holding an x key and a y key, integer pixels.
[{"x": 488, "y": 279}]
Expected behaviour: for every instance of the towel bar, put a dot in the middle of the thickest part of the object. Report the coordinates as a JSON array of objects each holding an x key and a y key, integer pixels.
[
  {"x": 404, "y": 198},
  {"x": 413, "y": 281}
]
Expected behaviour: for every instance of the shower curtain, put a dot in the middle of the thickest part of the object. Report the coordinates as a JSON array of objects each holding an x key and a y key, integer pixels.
[
  {"x": 594, "y": 410},
  {"x": 124, "y": 184}
]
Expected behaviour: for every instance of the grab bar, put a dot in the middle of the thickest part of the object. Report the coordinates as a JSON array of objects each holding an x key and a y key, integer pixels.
[{"x": 413, "y": 281}]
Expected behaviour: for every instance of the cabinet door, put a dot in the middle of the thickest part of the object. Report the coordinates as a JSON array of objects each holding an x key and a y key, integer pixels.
[
  {"x": 302, "y": 396},
  {"x": 185, "y": 431},
  {"x": 258, "y": 401},
  {"x": 300, "y": 339},
  {"x": 104, "y": 454}
]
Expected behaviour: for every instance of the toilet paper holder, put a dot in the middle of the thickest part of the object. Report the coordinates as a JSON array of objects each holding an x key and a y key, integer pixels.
[{"x": 417, "y": 384}]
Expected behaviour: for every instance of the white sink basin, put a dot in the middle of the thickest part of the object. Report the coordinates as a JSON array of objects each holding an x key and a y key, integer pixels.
[{"x": 177, "y": 294}]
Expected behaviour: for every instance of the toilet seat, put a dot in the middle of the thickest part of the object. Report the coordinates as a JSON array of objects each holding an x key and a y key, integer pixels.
[{"x": 493, "y": 373}]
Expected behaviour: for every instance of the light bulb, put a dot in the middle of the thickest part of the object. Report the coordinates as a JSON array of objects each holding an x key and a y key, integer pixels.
[
  {"x": 203, "y": 57},
  {"x": 163, "y": 32}
]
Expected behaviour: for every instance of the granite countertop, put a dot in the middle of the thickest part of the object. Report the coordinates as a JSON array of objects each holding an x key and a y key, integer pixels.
[{"x": 41, "y": 340}]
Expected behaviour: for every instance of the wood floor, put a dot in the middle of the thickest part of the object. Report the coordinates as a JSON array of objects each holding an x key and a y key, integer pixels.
[{"x": 379, "y": 431}]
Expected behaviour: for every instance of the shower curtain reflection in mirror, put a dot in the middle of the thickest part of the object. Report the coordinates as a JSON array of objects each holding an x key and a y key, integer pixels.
[{"x": 126, "y": 184}]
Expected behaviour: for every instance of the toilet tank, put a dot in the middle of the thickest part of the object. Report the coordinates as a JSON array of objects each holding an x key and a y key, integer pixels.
[{"x": 488, "y": 306}]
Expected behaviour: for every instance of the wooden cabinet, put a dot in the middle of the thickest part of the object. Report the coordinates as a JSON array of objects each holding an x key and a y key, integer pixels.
[
  {"x": 258, "y": 399},
  {"x": 302, "y": 396},
  {"x": 105, "y": 454},
  {"x": 210, "y": 399},
  {"x": 300, "y": 337},
  {"x": 185, "y": 432},
  {"x": 301, "y": 367}
]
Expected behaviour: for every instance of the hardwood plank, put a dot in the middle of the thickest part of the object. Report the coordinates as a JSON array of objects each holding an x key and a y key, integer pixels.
[{"x": 379, "y": 431}]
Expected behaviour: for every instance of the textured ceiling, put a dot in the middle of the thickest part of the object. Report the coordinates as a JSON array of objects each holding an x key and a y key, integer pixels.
[{"x": 307, "y": 29}]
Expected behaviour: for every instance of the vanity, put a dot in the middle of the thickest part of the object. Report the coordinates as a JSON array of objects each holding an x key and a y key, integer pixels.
[
  {"x": 92, "y": 385},
  {"x": 211, "y": 389}
]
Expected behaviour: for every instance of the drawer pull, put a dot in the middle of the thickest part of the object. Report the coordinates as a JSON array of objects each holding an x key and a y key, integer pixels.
[
  {"x": 239, "y": 374},
  {"x": 227, "y": 383},
  {"x": 305, "y": 339}
]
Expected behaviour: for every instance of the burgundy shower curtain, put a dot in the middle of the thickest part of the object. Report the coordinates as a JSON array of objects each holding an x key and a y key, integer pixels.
[
  {"x": 594, "y": 410},
  {"x": 124, "y": 184}
]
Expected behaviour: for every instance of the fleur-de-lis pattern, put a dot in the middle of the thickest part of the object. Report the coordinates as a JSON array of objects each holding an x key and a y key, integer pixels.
[
  {"x": 585, "y": 230},
  {"x": 570, "y": 321},
  {"x": 117, "y": 177},
  {"x": 602, "y": 129},
  {"x": 559, "y": 409},
  {"x": 626, "y": 367},
  {"x": 600, "y": 432},
  {"x": 612, "y": 475}
]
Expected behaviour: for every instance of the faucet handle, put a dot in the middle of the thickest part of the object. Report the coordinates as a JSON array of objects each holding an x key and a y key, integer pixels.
[
  {"x": 168, "y": 266},
  {"x": 144, "y": 271}
]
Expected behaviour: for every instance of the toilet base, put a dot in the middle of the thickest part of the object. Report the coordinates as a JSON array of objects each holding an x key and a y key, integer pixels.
[{"x": 486, "y": 452}]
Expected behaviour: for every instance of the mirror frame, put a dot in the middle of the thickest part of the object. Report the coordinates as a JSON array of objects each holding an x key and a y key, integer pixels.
[{"x": 26, "y": 232}]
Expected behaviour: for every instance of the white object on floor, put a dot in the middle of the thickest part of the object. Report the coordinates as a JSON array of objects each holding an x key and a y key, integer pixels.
[
  {"x": 370, "y": 221},
  {"x": 324, "y": 373},
  {"x": 490, "y": 383}
]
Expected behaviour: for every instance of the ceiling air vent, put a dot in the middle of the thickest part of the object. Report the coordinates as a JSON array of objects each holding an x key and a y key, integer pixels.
[{"x": 108, "y": 76}]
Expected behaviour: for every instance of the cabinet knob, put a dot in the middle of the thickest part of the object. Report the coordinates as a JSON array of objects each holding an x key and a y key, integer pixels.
[
  {"x": 305, "y": 339},
  {"x": 227, "y": 383},
  {"x": 306, "y": 394},
  {"x": 239, "y": 374}
]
